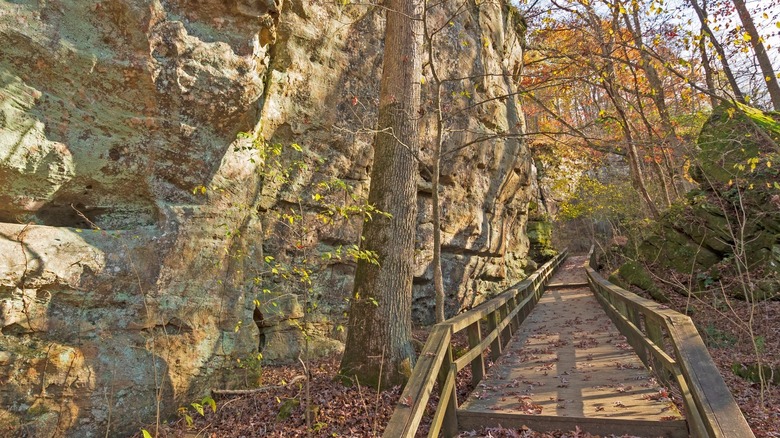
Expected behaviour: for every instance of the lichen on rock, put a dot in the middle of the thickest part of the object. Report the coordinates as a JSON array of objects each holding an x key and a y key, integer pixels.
[{"x": 134, "y": 225}]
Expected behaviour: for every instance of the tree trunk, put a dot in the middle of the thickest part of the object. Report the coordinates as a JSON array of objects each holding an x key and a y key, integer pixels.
[
  {"x": 378, "y": 347},
  {"x": 760, "y": 51},
  {"x": 669, "y": 138},
  {"x": 709, "y": 77},
  {"x": 438, "y": 277},
  {"x": 609, "y": 85},
  {"x": 703, "y": 20}
]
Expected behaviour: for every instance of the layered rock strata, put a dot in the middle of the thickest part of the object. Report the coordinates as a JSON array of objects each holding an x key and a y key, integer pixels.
[{"x": 139, "y": 237}]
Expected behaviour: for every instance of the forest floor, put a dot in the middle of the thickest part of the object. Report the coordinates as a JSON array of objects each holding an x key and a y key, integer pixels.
[
  {"x": 358, "y": 411},
  {"x": 723, "y": 324}
]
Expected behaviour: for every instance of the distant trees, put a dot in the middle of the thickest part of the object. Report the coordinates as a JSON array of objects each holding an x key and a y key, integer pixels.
[
  {"x": 635, "y": 79},
  {"x": 378, "y": 348}
]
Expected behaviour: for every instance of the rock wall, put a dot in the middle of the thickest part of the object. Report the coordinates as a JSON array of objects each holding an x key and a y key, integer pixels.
[{"x": 144, "y": 251}]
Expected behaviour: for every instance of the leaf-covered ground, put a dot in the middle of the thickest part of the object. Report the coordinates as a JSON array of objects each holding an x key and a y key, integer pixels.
[
  {"x": 723, "y": 325},
  {"x": 341, "y": 411}
]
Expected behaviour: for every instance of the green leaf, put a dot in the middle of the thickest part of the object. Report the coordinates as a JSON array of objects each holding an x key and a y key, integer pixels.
[
  {"x": 210, "y": 401},
  {"x": 146, "y": 433},
  {"x": 198, "y": 407}
]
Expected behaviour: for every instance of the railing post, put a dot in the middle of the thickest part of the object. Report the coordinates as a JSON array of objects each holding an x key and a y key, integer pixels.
[
  {"x": 478, "y": 364},
  {"x": 518, "y": 319},
  {"x": 495, "y": 346},
  {"x": 449, "y": 427},
  {"x": 506, "y": 333},
  {"x": 656, "y": 335},
  {"x": 641, "y": 351}
]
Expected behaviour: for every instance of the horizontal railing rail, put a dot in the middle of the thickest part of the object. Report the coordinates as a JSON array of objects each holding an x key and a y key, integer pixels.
[
  {"x": 501, "y": 318},
  {"x": 669, "y": 344}
]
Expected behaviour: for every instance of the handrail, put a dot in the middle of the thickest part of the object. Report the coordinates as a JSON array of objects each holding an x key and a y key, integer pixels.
[
  {"x": 649, "y": 327},
  {"x": 501, "y": 317}
]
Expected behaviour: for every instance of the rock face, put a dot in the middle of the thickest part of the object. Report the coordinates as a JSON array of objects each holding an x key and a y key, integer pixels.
[
  {"x": 727, "y": 232},
  {"x": 147, "y": 254}
]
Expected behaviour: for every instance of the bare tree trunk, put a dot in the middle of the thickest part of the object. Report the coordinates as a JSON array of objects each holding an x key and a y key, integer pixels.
[
  {"x": 634, "y": 163},
  {"x": 709, "y": 77},
  {"x": 760, "y": 51},
  {"x": 378, "y": 348},
  {"x": 703, "y": 20},
  {"x": 438, "y": 280},
  {"x": 669, "y": 136}
]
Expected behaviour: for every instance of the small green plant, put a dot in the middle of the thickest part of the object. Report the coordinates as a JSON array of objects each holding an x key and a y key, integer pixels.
[
  {"x": 199, "y": 407},
  {"x": 760, "y": 343},
  {"x": 718, "y": 338}
]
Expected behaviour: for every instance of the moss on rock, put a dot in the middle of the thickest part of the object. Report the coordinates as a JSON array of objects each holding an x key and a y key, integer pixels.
[{"x": 634, "y": 274}]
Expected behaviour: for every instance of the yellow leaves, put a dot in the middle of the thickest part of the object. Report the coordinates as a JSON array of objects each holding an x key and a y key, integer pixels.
[
  {"x": 422, "y": 80},
  {"x": 753, "y": 162},
  {"x": 746, "y": 37},
  {"x": 622, "y": 10}
]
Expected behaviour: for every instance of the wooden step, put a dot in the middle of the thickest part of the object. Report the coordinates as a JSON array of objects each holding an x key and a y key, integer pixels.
[
  {"x": 470, "y": 420},
  {"x": 566, "y": 285}
]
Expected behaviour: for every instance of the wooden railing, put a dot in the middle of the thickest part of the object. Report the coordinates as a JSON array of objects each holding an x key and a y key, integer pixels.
[
  {"x": 669, "y": 345},
  {"x": 500, "y": 317}
]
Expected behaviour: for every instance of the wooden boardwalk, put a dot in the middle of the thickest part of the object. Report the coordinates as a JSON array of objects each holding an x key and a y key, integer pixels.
[{"x": 569, "y": 366}]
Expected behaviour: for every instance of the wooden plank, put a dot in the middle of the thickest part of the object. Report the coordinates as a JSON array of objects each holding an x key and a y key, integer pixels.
[
  {"x": 638, "y": 339},
  {"x": 468, "y": 420},
  {"x": 463, "y": 320},
  {"x": 409, "y": 411},
  {"x": 709, "y": 397},
  {"x": 407, "y": 415},
  {"x": 566, "y": 285},
  {"x": 448, "y": 399},
  {"x": 492, "y": 335},
  {"x": 506, "y": 317},
  {"x": 714, "y": 401},
  {"x": 567, "y": 363},
  {"x": 695, "y": 422}
]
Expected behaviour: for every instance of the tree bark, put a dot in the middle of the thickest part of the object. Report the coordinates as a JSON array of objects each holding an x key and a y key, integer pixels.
[
  {"x": 770, "y": 78},
  {"x": 378, "y": 348}
]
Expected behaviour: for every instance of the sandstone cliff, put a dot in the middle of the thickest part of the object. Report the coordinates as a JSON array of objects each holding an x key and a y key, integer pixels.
[{"x": 135, "y": 228}]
